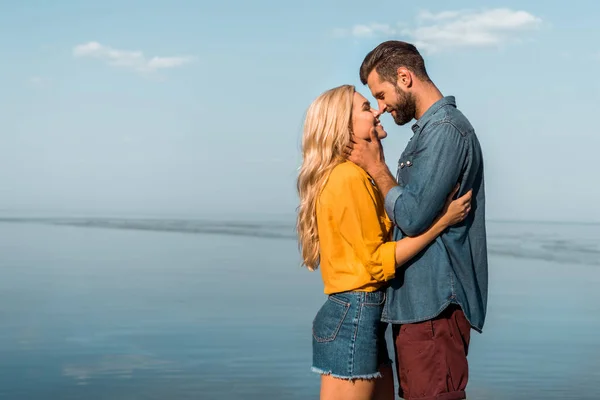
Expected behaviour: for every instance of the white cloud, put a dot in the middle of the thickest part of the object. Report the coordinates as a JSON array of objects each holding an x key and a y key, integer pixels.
[
  {"x": 370, "y": 30},
  {"x": 473, "y": 29},
  {"x": 428, "y": 16},
  {"x": 135, "y": 60},
  {"x": 373, "y": 29},
  {"x": 452, "y": 29}
]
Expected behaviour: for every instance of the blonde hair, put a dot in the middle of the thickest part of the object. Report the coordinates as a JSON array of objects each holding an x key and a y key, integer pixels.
[{"x": 327, "y": 130}]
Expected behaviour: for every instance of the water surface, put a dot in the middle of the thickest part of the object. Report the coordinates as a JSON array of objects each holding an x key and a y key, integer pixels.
[{"x": 182, "y": 309}]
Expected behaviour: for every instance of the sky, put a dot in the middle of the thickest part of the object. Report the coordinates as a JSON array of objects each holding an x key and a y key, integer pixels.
[{"x": 195, "y": 108}]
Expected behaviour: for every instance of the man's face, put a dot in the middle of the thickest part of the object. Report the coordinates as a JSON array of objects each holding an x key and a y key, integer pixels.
[{"x": 392, "y": 98}]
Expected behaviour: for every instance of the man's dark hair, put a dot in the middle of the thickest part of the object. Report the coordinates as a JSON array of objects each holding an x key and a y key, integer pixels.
[{"x": 388, "y": 57}]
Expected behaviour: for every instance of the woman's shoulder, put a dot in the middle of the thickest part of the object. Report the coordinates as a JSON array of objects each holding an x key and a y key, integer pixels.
[
  {"x": 348, "y": 171},
  {"x": 346, "y": 174}
]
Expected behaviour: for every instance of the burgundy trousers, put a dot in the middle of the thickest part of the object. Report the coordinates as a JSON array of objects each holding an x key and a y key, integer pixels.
[{"x": 431, "y": 356}]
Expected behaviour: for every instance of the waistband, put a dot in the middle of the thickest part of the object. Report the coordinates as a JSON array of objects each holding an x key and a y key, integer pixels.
[{"x": 376, "y": 297}]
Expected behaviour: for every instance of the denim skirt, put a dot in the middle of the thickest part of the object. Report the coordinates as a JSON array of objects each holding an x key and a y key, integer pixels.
[{"x": 349, "y": 337}]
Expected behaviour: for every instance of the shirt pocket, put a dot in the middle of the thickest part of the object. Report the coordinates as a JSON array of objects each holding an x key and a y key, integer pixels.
[{"x": 405, "y": 166}]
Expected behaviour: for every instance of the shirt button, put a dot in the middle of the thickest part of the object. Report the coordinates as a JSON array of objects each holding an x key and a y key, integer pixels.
[
  {"x": 401, "y": 165},
  {"x": 408, "y": 163}
]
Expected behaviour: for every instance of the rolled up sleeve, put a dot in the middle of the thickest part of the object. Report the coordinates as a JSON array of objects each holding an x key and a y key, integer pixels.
[{"x": 359, "y": 220}]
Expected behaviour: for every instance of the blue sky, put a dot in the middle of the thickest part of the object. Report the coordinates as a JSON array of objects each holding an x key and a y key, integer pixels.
[{"x": 195, "y": 108}]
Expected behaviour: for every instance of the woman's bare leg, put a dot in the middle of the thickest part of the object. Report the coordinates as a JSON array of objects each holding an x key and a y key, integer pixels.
[{"x": 342, "y": 389}]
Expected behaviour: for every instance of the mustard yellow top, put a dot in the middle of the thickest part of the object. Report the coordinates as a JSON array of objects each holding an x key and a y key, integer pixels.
[{"x": 354, "y": 230}]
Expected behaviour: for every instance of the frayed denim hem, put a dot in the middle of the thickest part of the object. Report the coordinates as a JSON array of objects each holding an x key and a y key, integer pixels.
[{"x": 348, "y": 378}]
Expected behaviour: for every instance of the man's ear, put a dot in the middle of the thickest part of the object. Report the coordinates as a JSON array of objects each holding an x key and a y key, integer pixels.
[{"x": 405, "y": 78}]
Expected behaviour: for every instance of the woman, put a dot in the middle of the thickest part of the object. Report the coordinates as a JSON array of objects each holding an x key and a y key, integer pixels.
[{"x": 343, "y": 228}]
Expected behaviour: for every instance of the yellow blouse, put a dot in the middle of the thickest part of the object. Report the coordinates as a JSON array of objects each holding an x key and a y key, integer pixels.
[{"x": 354, "y": 230}]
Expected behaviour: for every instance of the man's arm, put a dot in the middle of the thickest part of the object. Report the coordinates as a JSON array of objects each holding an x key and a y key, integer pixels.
[
  {"x": 436, "y": 168},
  {"x": 384, "y": 179},
  {"x": 368, "y": 154},
  {"x": 348, "y": 202}
]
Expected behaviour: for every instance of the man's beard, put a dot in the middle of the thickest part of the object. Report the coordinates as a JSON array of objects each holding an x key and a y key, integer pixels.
[{"x": 405, "y": 107}]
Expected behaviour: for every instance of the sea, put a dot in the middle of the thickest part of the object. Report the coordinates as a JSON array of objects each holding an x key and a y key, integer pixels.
[{"x": 156, "y": 308}]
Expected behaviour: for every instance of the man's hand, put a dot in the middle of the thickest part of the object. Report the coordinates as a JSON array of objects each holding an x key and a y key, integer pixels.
[{"x": 367, "y": 153}]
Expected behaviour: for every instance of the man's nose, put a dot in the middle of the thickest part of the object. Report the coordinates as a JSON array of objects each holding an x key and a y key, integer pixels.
[{"x": 382, "y": 108}]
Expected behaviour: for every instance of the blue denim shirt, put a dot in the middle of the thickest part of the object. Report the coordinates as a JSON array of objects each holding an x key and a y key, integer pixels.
[{"x": 443, "y": 151}]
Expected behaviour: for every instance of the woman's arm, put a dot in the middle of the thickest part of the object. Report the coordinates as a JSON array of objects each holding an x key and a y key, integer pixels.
[{"x": 348, "y": 203}]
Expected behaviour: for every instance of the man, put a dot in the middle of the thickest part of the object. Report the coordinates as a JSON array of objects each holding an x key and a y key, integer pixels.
[{"x": 442, "y": 293}]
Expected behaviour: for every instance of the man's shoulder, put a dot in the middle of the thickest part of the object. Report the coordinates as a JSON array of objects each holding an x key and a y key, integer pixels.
[{"x": 451, "y": 119}]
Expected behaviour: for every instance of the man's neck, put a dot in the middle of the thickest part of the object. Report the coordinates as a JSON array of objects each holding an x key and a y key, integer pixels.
[{"x": 428, "y": 97}]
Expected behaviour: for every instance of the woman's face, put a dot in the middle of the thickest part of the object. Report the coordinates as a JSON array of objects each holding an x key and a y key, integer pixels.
[{"x": 365, "y": 118}]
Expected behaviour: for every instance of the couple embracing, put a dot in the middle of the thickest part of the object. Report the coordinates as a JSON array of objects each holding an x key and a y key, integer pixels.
[{"x": 407, "y": 250}]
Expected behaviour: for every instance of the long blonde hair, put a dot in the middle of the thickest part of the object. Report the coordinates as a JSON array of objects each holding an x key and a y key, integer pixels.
[{"x": 327, "y": 131}]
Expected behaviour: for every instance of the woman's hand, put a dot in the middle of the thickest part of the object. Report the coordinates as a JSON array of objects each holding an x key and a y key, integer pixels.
[{"x": 456, "y": 211}]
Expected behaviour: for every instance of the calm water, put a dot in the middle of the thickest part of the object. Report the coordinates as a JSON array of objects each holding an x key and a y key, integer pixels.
[{"x": 115, "y": 309}]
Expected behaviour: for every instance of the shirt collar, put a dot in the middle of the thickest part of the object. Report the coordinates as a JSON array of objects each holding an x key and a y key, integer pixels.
[{"x": 435, "y": 107}]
